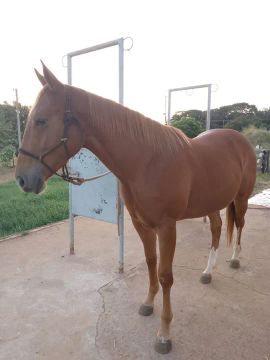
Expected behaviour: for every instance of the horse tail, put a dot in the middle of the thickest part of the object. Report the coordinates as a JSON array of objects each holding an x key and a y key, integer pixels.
[{"x": 230, "y": 215}]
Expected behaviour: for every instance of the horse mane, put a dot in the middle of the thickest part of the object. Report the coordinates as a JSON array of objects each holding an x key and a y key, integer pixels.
[{"x": 117, "y": 119}]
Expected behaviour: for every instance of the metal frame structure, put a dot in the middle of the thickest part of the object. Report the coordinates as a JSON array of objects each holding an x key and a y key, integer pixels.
[
  {"x": 120, "y": 43},
  {"x": 208, "y": 119},
  {"x": 209, "y": 86}
]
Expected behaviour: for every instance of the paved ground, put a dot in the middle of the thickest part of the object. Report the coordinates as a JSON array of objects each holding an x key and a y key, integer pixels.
[
  {"x": 59, "y": 307},
  {"x": 262, "y": 199}
]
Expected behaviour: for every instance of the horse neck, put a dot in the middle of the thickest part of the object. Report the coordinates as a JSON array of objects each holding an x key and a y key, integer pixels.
[
  {"x": 124, "y": 140},
  {"x": 106, "y": 136}
]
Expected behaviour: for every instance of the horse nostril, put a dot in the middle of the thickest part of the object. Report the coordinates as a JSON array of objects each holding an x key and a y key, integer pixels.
[{"x": 20, "y": 181}]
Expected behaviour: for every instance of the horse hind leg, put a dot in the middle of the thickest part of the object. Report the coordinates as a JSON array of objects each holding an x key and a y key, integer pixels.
[
  {"x": 241, "y": 205},
  {"x": 215, "y": 226}
]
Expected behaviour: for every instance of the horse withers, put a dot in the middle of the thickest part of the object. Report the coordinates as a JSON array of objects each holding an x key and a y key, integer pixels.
[{"x": 164, "y": 176}]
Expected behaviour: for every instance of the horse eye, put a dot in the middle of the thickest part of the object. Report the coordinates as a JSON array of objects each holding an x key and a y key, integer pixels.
[{"x": 41, "y": 122}]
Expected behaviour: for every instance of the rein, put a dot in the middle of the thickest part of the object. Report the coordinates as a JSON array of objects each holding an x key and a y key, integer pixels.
[{"x": 69, "y": 120}]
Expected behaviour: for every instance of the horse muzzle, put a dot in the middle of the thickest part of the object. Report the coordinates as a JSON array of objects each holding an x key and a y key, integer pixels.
[{"x": 30, "y": 181}]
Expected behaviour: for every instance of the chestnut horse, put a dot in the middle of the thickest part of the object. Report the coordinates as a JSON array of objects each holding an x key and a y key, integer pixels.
[{"x": 164, "y": 176}]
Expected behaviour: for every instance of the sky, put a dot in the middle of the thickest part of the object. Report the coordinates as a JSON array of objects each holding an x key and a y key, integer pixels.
[{"x": 176, "y": 43}]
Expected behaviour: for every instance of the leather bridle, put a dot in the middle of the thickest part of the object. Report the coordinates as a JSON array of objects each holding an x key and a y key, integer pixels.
[{"x": 69, "y": 120}]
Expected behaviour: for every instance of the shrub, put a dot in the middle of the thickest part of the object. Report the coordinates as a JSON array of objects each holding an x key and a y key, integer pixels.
[
  {"x": 188, "y": 125},
  {"x": 7, "y": 155}
]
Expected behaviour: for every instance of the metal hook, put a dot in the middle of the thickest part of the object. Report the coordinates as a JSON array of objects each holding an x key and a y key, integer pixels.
[{"x": 131, "y": 46}]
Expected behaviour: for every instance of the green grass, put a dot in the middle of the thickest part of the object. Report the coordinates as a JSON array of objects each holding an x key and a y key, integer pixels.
[{"x": 21, "y": 211}]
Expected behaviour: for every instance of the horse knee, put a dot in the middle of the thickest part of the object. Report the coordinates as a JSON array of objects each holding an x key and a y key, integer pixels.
[{"x": 166, "y": 280}]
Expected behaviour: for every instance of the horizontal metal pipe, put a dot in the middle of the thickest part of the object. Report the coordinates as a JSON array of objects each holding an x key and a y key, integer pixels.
[
  {"x": 94, "y": 48},
  {"x": 190, "y": 87}
]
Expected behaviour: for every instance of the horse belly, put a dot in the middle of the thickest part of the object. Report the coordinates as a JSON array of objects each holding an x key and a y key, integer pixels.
[
  {"x": 210, "y": 195},
  {"x": 204, "y": 208}
]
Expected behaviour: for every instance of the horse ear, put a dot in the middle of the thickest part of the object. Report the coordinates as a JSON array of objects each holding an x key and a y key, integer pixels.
[
  {"x": 50, "y": 79},
  {"x": 40, "y": 78}
]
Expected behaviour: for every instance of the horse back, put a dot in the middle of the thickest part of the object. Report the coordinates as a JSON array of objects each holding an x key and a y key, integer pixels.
[{"x": 224, "y": 166}]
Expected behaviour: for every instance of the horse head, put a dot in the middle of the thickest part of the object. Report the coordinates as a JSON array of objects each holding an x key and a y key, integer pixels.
[{"x": 52, "y": 135}]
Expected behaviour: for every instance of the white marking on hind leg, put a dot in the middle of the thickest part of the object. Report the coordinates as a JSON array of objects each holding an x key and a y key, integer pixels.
[
  {"x": 211, "y": 261},
  {"x": 237, "y": 247},
  {"x": 236, "y": 252}
]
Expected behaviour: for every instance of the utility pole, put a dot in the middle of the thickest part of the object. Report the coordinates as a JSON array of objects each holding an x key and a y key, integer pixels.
[
  {"x": 18, "y": 118},
  {"x": 165, "y": 113}
]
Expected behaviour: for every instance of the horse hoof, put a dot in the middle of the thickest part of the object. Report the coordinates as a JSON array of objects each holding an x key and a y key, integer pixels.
[
  {"x": 146, "y": 310},
  {"x": 235, "y": 264},
  {"x": 206, "y": 278},
  {"x": 163, "y": 346}
]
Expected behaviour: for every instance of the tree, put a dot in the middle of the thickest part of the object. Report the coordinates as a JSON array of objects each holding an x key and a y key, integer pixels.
[
  {"x": 236, "y": 116},
  {"x": 259, "y": 137},
  {"x": 243, "y": 121},
  {"x": 8, "y": 124},
  {"x": 222, "y": 116},
  {"x": 264, "y": 115},
  {"x": 188, "y": 125}
]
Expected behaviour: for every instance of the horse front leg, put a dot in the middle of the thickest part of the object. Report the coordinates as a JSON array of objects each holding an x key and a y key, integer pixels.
[
  {"x": 167, "y": 241},
  {"x": 148, "y": 237}
]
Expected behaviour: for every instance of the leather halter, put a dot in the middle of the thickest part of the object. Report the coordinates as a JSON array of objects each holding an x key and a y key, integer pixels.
[{"x": 69, "y": 120}]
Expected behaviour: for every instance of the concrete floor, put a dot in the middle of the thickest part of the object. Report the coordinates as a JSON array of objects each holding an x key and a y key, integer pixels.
[{"x": 59, "y": 307}]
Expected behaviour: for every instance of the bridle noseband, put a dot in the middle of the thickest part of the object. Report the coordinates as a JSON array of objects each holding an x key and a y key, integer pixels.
[{"x": 69, "y": 120}]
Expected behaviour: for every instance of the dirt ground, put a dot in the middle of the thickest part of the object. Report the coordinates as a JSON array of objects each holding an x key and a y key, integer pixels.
[
  {"x": 60, "y": 307},
  {"x": 6, "y": 174}
]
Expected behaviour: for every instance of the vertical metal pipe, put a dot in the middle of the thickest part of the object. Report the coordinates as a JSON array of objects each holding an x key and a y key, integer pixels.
[
  {"x": 71, "y": 216},
  {"x": 208, "y": 119},
  {"x": 121, "y": 71},
  {"x": 119, "y": 200},
  {"x": 169, "y": 108},
  {"x": 69, "y": 70},
  {"x": 208, "y": 122},
  {"x": 71, "y": 224},
  {"x": 165, "y": 110}
]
